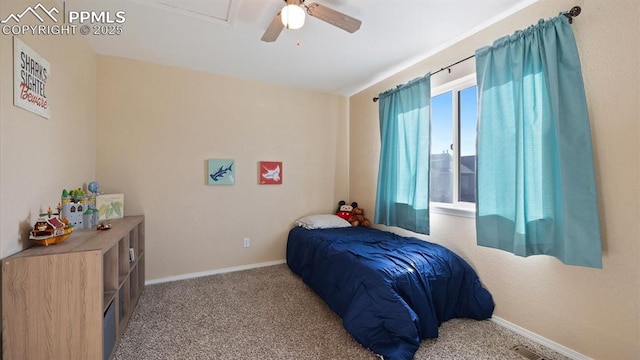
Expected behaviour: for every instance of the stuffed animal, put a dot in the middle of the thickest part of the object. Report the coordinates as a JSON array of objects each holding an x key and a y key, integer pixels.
[
  {"x": 357, "y": 217},
  {"x": 344, "y": 210}
]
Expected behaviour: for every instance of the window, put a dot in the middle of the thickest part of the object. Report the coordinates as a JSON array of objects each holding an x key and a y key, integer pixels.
[{"x": 453, "y": 147}]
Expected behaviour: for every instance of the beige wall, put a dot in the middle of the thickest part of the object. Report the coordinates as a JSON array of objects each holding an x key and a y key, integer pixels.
[
  {"x": 40, "y": 157},
  {"x": 594, "y": 312},
  {"x": 157, "y": 127}
]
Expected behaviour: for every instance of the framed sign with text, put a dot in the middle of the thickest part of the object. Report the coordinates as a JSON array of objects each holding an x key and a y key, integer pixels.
[{"x": 30, "y": 74}]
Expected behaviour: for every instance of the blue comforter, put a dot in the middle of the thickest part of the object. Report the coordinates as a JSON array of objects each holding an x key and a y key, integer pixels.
[{"x": 390, "y": 291}]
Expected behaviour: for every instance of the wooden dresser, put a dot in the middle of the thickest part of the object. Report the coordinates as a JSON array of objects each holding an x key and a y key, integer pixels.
[{"x": 73, "y": 300}]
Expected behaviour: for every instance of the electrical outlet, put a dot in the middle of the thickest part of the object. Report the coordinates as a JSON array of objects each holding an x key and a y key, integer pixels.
[{"x": 247, "y": 242}]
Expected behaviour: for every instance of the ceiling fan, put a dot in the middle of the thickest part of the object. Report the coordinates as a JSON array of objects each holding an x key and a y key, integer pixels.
[{"x": 292, "y": 16}]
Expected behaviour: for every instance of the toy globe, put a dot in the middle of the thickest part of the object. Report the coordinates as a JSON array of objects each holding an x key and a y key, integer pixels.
[{"x": 93, "y": 187}]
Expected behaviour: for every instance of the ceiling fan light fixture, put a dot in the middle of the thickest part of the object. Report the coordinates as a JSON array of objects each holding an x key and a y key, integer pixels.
[{"x": 292, "y": 16}]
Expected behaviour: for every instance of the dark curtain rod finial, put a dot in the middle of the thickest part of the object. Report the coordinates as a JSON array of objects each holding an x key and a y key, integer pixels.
[{"x": 575, "y": 11}]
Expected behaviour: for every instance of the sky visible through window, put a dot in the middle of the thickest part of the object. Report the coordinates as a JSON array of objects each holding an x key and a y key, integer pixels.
[
  {"x": 444, "y": 175},
  {"x": 442, "y": 125}
]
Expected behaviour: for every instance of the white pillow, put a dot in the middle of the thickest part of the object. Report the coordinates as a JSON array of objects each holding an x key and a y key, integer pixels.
[{"x": 323, "y": 221}]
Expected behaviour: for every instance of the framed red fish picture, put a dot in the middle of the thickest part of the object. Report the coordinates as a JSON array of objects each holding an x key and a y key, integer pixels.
[{"x": 270, "y": 172}]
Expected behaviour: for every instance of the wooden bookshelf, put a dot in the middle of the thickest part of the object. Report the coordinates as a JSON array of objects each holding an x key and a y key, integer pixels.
[{"x": 73, "y": 300}]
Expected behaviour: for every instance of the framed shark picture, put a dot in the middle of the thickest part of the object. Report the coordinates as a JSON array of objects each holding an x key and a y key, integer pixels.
[
  {"x": 221, "y": 172},
  {"x": 270, "y": 172}
]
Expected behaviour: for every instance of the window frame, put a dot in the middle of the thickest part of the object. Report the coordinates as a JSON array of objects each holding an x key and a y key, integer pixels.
[{"x": 457, "y": 207}]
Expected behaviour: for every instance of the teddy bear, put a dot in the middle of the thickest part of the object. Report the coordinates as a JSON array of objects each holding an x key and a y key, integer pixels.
[{"x": 357, "y": 217}]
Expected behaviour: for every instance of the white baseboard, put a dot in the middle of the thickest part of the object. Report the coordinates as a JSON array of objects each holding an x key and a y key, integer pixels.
[
  {"x": 539, "y": 339},
  {"x": 212, "y": 272}
]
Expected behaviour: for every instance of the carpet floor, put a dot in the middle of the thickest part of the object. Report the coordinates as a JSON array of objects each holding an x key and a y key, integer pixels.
[{"x": 269, "y": 313}]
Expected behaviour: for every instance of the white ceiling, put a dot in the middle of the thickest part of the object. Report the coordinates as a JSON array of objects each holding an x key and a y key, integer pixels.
[{"x": 223, "y": 37}]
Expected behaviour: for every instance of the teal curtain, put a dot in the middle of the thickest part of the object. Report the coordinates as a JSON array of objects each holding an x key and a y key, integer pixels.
[
  {"x": 403, "y": 176},
  {"x": 536, "y": 187}
]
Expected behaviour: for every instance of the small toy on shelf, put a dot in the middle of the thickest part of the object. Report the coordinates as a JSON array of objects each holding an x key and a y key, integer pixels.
[
  {"x": 80, "y": 208},
  {"x": 93, "y": 187},
  {"x": 103, "y": 226},
  {"x": 50, "y": 229}
]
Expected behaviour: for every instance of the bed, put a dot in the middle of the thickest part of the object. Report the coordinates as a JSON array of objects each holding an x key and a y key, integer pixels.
[{"x": 390, "y": 291}]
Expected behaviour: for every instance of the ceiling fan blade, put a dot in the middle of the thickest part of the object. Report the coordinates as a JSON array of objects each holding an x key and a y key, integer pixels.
[
  {"x": 274, "y": 29},
  {"x": 333, "y": 17}
]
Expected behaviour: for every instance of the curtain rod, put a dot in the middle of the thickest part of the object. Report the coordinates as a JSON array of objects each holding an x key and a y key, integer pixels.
[{"x": 575, "y": 11}]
